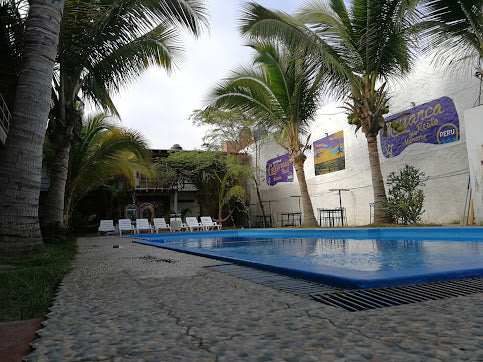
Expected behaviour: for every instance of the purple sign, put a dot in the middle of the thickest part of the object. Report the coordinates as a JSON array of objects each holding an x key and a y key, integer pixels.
[
  {"x": 434, "y": 122},
  {"x": 279, "y": 169}
]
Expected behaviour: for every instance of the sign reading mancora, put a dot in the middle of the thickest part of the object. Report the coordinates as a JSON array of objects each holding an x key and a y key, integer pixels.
[
  {"x": 329, "y": 154},
  {"x": 279, "y": 169},
  {"x": 434, "y": 122}
]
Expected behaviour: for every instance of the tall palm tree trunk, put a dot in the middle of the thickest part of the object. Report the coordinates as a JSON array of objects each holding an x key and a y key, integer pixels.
[
  {"x": 21, "y": 159},
  {"x": 53, "y": 209},
  {"x": 309, "y": 216},
  {"x": 377, "y": 181}
]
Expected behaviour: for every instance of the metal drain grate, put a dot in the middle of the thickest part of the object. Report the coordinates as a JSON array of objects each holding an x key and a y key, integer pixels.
[
  {"x": 273, "y": 280},
  {"x": 364, "y": 299}
]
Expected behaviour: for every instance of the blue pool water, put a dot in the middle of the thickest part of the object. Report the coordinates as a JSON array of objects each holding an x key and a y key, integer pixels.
[{"x": 355, "y": 258}]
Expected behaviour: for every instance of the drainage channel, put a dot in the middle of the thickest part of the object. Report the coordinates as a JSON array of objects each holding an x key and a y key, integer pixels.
[
  {"x": 356, "y": 300},
  {"x": 284, "y": 283},
  {"x": 365, "y": 299}
]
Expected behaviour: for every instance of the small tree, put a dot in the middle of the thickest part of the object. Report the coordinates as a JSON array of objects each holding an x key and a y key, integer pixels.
[
  {"x": 215, "y": 174},
  {"x": 405, "y": 200},
  {"x": 236, "y": 127}
]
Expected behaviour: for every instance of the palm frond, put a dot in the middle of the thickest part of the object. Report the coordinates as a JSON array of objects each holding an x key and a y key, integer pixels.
[
  {"x": 281, "y": 92},
  {"x": 260, "y": 23},
  {"x": 105, "y": 153},
  {"x": 126, "y": 63},
  {"x": 455, "y": 30},
  {"x": 12, "y": 25},
  {"x": 235, "y": 191}
]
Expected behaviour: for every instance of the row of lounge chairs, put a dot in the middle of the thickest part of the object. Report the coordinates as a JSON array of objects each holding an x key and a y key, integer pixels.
[{"x": 159, "y": 225}]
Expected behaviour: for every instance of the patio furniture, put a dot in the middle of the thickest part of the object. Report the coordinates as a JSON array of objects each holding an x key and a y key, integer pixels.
[
  {"x": 175, "y": 224},
  {"x": 125, "y": 225},
  {"x": 106, "y": 226},
  {"x": 143, "y": 225},
  {"x": 160, "y": 225},
  {"x": 208, "y": 223},
  {"x": 192, "y": 224}
]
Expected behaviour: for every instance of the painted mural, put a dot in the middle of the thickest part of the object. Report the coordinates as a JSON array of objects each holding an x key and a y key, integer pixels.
[
  {"x": 279, "y": 169},
  {"x": 433, "y": 122},
  {"x": 329, "y": 154}
]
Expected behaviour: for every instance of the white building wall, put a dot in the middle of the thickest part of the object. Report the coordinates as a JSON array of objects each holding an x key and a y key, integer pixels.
[
  {"x": 474, "y": 128},
  {"x": 446, "y": 165}
]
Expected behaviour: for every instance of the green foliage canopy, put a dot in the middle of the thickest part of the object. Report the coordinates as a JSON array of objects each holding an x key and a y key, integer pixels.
[{"x": 216, "y": 175}]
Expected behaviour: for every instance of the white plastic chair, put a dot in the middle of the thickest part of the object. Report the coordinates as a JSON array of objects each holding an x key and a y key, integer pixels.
[
  {"x": 192, "y": 224},
  {"x": 106, "y": 226},
  {"x": 143, "y": 225},
  {"x": 176, "y": 224},
  {"x": 160, "y": 225},
  {"x": 125, "y": 225},
  {"x": 209, "y": 224}
]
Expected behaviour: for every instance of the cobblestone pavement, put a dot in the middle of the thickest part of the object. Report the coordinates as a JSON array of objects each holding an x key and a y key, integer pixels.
[{"x": 140, "y": 303}]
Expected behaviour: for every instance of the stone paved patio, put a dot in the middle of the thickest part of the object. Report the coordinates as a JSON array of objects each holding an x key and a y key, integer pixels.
[{"x": 140, "y": 303}]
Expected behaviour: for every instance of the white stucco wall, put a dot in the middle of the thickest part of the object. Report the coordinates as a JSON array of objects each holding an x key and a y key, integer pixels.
[
  {"x": 446, "y": 165},
  {"x": 474, "y": 130}
]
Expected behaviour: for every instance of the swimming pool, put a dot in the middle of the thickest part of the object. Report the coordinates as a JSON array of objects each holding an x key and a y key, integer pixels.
[{"x": 345, "y": 258}]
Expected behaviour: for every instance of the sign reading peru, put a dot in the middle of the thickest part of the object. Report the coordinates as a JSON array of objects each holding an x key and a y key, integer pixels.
[
  {"x": 279, "y": 169},
  {"x": 329, "y": 154},
  {"x": 434, "y": 122}
]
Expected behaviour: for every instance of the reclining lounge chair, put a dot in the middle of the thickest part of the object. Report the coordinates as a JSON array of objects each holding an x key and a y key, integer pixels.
[
  {"x": 209, "y": 224},
  {"x": 143, "y": 225},
  {"x": 106, "y": 226},
  {"x": 125, "y": 225},
  {"x": 160, "y": 225}
]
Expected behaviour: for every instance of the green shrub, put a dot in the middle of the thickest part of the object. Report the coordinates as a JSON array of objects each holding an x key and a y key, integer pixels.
[{"x": 405, "y": 201}]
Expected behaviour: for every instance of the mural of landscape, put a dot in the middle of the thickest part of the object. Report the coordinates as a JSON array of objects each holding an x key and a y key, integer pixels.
[{"x": 329, "y": 154}]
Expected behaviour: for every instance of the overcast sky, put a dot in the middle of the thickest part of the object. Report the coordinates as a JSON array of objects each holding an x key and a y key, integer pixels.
[{"x": 159, "y": 105}]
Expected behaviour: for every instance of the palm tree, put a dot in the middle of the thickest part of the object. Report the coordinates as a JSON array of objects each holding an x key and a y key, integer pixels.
[
  {"x": 456, "y": 30},
  {"x": 229, "y": 187},
  {"x": 455, "y": 24},
  {"x": 104, "y": 153},
  {"x": 21, "y": 158},
  {"x": 12, "y": 29},
  {"x": 282, "y": 93},
  {"x": 362, "y": 46},
  {"x": 103, "y": 47}
]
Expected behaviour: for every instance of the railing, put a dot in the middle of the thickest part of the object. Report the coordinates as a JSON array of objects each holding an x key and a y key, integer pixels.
[
  {"x": 332, "y": 217},
  {"x": 5, "y": 117},
  {"x": 291, "y": 218},
  {"x": 261, "y": 222}
]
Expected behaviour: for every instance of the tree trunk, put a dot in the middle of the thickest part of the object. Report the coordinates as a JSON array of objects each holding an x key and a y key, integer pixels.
[
  {"x": 260, "y": 201},
  {"x": 53, "y": 209},
  {"x": 256, "y": 179},
  {"x": 309, "y": 216},
  {"x": 21, "y": 159},
  {"x": 377, "y": 182}
]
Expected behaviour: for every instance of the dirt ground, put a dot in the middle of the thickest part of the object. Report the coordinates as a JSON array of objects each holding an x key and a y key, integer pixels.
[{"x": 15, "y": 338}]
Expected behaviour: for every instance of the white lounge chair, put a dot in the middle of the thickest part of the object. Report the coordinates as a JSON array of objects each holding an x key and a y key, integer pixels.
[
  {"x": 106, "y": 226},
  {"x": 143, "y": 225},
  {"x": 192, "y": 224},
  {"x": 160, "y": 225},
  {"x": 176, "y": 224},
  {"x": 125, "y": 225},
  {"x": 209, "y": 224}
]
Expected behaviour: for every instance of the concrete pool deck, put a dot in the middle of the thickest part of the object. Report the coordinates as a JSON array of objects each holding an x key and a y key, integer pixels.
[{"x": 137, "y": 303}]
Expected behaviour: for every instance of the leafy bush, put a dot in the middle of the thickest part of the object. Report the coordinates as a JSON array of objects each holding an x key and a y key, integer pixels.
[{"x": 405, "y": 201}]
